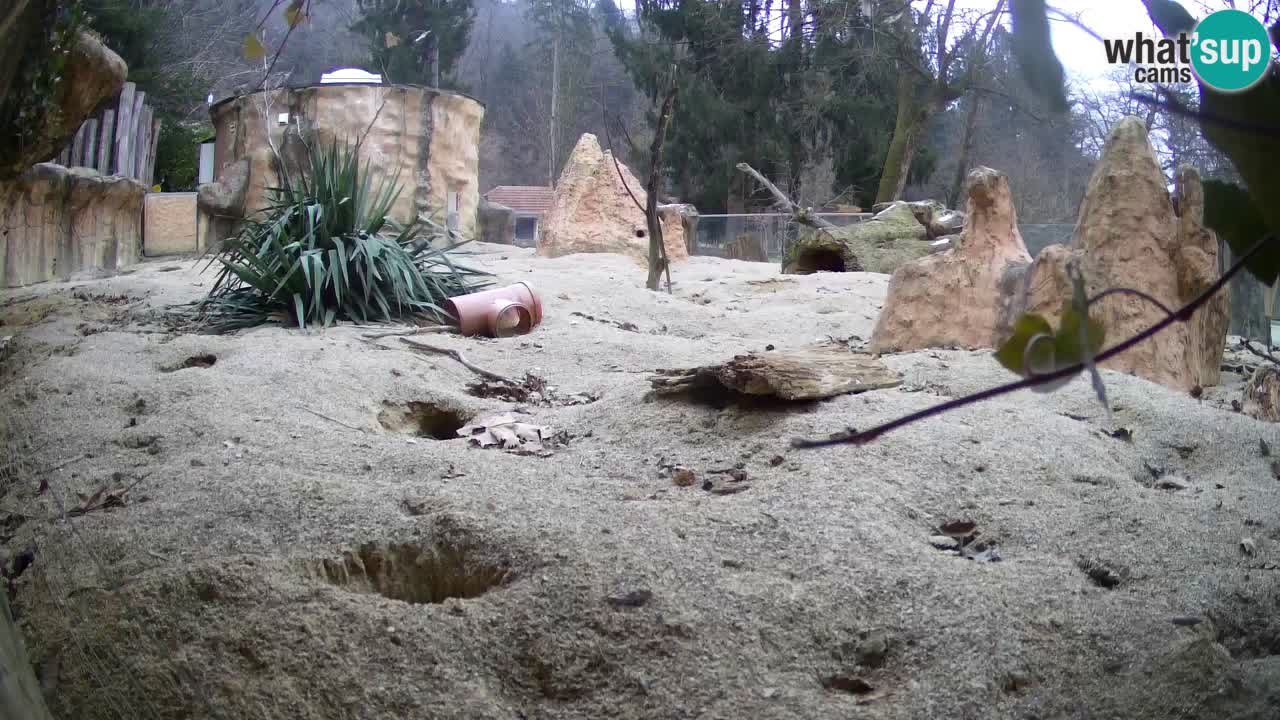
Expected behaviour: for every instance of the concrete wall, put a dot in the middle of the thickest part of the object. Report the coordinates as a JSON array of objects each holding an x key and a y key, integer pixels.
[
  {"x": 58, "y": 221},
  {"x": 169, "y": 224},
  {"x": 427, "y": 139}
]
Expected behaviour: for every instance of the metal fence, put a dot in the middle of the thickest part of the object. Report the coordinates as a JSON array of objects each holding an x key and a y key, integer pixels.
[
  {"x": 1039, "y": 236},
  {"x": 774, "y": 231}
]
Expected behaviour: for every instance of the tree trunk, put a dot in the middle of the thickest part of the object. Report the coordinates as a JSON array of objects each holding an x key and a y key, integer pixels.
[
  {"x": 555, "y": 92},
  {"x": 966, "y": 148},
  {"x": 902, "y": 146},
  {"x": 657, "y": 250},
  {"x": 17, "y": 23}
]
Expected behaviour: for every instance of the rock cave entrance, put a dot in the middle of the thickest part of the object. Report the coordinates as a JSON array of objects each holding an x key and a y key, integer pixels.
[{"x": 819, "y": 260}]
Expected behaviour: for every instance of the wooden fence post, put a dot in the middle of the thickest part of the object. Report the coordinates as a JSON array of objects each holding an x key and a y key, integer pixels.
[
  {"x": 91, "y": 143},
  {"x": 124, "y": 117},
  {"x": 106, "y": 141},
  {"x": 150, "y": 177}
]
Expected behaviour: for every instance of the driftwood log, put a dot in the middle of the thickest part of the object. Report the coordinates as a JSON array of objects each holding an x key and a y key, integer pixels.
[{"x": 810, "y": 373}]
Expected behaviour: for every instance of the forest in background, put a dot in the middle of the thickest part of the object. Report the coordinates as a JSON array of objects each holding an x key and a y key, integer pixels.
[{"x": 845, "y": 101}]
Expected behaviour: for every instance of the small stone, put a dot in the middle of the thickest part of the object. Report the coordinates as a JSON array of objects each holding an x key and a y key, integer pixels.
[
  {"x": 1172, "y": 482},
  {"x": 197, "y": 462},
  {"x": 942, "y": 542},
  {"x": 776, "y": 460},
  {"x": 683, "y": 476},
  {"x": 769, "y": 693},
  {"x": 1248, "y": 547},
  {"x": 634, "y": 598},
  {"x": 1016, "y": 680},
  {"x": 872, "y": 649}
]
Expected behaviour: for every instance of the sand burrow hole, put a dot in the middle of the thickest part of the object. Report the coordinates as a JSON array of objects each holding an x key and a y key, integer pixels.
[
  {"x": 421, "y": 418},
  {"x": 203, "y": 360},
  {"x": 417, "y": 573}
]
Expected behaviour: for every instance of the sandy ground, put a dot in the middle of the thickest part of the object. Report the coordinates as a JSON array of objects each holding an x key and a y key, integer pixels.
[{"x": 287, "y": 536}]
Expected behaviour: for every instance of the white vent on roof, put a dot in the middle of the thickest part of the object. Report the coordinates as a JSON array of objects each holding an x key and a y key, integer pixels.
[{"x": 350, "y": 75}]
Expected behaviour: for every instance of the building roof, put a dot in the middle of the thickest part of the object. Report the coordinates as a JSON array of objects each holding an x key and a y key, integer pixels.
[{"x": 524, "y": 199}]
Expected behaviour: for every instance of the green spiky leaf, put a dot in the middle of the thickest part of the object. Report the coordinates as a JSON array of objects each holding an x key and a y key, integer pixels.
[{"x": 326, "y": 249}]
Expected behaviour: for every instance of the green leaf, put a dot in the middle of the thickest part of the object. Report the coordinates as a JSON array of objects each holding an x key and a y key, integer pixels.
[
  {"x": 1012, "y": 354},
  {"x": 1231, "y": 213},
  {"x": 253, "y": 48},
  {"x": 1033, "y": 48},
  {"x": 1069, "y": 348},
  {"x": 1035, "y": 349},
  {"x": 293, "y": 14}
]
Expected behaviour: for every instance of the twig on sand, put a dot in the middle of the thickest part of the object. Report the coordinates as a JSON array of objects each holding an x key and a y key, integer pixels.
[
  {"x": 423, "y": 347},
  {"x": 415, "y": 331},
  {"x": 332, "y": 420},
  {"x": 12, "y": 464}
]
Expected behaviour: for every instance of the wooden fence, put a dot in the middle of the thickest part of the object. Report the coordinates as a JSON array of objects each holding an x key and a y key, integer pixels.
[{"x": 119, "y": 140}]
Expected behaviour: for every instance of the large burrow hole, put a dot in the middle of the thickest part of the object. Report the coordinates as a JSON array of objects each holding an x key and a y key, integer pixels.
[
  {"x": 415, "y": 573},
  {"x": 819, "y": 260},
  {"x": 423, "y": 419},
  {"x": 203, "y": 360}
]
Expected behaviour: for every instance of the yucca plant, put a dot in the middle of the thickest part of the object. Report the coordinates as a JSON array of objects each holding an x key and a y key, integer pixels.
[{"x": 324, "y": 249}]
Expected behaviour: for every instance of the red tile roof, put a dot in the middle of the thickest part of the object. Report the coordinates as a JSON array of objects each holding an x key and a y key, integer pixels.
[{"x": 527, "y": 199}]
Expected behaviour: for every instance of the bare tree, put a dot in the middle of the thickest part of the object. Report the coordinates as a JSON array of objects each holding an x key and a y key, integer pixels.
[{"x": 927, "y": 81}]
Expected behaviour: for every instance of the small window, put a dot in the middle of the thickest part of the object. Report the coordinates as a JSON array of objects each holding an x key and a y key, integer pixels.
[
  {"x": 526, "y": 231},
  {"x": 451, "y": 210}
]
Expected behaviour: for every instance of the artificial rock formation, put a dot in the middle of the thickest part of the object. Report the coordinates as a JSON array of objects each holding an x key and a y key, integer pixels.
[
  {"x": 62, "y": 221},
  {"x": 959, "y": 297},
  {"x": 882, "y": 244},
  {"x": 1129, "y": 235},
  {"x": 423, "y": 139},
  {"x": 93, "y": 73},
  {"x": 496, "y": 223},
  {"x": 594, "y": 212}
]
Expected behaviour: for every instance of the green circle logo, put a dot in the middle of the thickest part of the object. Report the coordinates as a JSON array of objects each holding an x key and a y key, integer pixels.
[{"x": 1231, "y": 50}]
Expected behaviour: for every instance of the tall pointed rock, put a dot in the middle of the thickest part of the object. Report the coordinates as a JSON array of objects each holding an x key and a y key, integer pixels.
[{"x": 1129, "y": 235}]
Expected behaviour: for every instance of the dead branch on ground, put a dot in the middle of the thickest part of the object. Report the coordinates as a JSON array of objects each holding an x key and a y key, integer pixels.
[
  {"x": 423, "y": 347},
  {"x": 415, "y": 331}
]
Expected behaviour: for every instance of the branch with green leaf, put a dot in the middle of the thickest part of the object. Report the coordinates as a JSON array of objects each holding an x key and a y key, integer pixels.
[{"x": 1244, "y": 126}]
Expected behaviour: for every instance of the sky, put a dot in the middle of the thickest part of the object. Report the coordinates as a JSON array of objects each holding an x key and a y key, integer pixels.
[{"x": 1081, "y": 54}]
